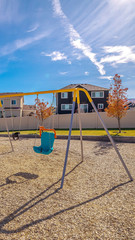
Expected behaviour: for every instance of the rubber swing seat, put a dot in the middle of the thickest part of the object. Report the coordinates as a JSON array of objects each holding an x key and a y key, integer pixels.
[{"x": 47, "y": 141}]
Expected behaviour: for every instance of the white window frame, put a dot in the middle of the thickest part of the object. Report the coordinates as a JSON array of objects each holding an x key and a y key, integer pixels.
[
  {"x": 101, "y": 104},
  {"x": 63, "y": 97},
  {"x": 84, "y": 104},
  {"x": 95, "y": 92},
  {"x": 66, "y": 109},
  {"x": 15, "y": 101}
]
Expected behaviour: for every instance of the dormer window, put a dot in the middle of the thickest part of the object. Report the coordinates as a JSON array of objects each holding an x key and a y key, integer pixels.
[{"x": 64, "y": 95}]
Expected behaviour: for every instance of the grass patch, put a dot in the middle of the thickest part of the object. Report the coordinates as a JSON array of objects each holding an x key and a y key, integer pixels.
[
  {"x": 98, "y": 132},
  {"x": 86, "y": 132}
]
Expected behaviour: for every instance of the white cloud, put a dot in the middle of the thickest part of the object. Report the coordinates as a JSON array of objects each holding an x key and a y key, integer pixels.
[
  {"x": 75, "y": 39},
  {"x": 63, "y": 73},
  {"x": 78, "y": 55},
  {"x": 69, "y": 62},
  {"x": 55, "y": 56},
  {"x": 100, "y": 28},
  {"x": 109, "y": 77},
  {"x": 86, "y": 73},
  {"x": 34, "y": 28},
  {"x": 18, "y": 44},
  {"x": 106, "y": 77},
  {"x": 9, "y": 11},
  {"x": 124, "y": 54}
]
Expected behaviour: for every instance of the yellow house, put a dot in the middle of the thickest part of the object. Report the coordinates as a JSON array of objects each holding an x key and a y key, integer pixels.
[{"x": 12, "y": 107}]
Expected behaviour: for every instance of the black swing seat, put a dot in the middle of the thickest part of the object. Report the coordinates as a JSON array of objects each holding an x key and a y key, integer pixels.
[{"x": 15, "y": 135}]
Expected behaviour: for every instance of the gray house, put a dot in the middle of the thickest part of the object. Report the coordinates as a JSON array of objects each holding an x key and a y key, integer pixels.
[{"x": 98, "y": 94}]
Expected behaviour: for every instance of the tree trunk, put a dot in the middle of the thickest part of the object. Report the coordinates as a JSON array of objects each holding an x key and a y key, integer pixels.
[{"x": 119, "y": 125}]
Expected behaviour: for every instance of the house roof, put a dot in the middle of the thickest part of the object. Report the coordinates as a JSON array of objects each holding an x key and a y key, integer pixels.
[
  {"x": 88, "y": 87},
  {"x": 29, "y": 107},
  {"x": 9, "y": 93}
]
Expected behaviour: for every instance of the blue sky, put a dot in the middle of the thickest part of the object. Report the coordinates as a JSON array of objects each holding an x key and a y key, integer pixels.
[{"x": 49, "y": 44}]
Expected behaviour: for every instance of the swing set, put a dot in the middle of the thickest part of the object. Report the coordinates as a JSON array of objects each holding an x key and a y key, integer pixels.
[{"x": 49, "y": 135}]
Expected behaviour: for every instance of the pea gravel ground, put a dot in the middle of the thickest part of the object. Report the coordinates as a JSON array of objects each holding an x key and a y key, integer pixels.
[{"x": 96, "y": 203}]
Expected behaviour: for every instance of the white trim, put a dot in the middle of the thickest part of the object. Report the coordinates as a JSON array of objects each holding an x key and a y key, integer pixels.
[
  {"x": 95, "y": 92},
  {"x": 100, "y": 104},
  {"x": 64, "y": 93},
  {"x": 66, "y": 109},
  {"x": 84, "y": 104}
]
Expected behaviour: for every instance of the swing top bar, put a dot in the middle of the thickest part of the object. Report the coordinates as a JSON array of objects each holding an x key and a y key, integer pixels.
[{"x": 75, "y": 90}]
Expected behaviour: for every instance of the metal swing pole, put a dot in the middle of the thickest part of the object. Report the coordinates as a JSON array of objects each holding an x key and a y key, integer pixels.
[
  {"x": 53, "y": 111},
  {"x": 36, "y": 128},
  {"x": 6, "y": 126},
  {"x": 80, "y": 125},
  {"x": 112, "y": 141},
  {"x": 69, "y": 137}
]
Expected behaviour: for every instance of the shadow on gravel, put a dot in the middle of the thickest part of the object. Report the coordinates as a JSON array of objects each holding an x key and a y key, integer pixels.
[
  {"x": 6, "y": 153},
  {"x": 102, "y": 148},
  {"x": 39, "y": 198},
  {"x": 19, "y": 177}
]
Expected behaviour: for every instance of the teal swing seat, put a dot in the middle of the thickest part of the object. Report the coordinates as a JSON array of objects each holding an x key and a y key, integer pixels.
[{"x": 47, "y": 141}]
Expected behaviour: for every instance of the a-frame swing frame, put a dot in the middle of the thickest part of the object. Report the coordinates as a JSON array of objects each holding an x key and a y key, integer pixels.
[{"x": 75, "y": 96}]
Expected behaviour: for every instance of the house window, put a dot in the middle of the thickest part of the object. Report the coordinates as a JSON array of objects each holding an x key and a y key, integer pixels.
[
  {"x": 97, "y": 94},
  {"x": 2, "y": 102},
  {"x": 100, "y": 106},
  {"x": 84, "y": 108},
  {"x": 66, "y": 106},
  {"x": 64, "y": 95},
  {"x": 13, "y": 102}
]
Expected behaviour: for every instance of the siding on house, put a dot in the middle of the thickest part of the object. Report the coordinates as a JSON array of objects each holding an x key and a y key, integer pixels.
[
  {"x": 12, "y": 106},
  {"x": 83, "y": 98}
]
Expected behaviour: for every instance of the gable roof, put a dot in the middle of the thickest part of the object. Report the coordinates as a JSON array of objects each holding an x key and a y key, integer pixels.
[{"x": 88, "y": 87}]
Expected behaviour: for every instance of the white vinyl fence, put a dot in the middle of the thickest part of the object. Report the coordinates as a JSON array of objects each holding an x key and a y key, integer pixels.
[{"x": 62, "y": 121}]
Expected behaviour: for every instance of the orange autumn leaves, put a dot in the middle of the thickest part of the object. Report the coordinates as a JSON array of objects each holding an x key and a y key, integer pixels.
[
  {"x": 117, "y": 100},
  {"x": 43, "y": 111}
]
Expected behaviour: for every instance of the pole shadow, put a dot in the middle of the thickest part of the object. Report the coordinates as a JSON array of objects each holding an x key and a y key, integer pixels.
[
  {"x": 24, "y": 208},
  {"x": 5, "y": 153}
]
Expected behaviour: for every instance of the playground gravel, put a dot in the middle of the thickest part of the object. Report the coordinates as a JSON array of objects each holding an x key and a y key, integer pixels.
[{"x": 97, "y": 201}]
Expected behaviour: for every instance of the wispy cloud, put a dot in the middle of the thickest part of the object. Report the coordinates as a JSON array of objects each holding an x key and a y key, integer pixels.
[
  {"x": 86, "y": 73},
  {"x": 34, "y": 28},
  {"x": 106, "y": 77},
  {"x": 101, "y": 28},
  {"x": 55, "y": 56},
  {"x": 78, "y": 55},
  {"x": 109, "y": 77},
  {"x": 75, "y": 39},
  {"x": 63, "y": 73},
  {"x": 20, "y": 43},
  {"x": 123, "y": 54},
  {"x": 9, "y": 12}
]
